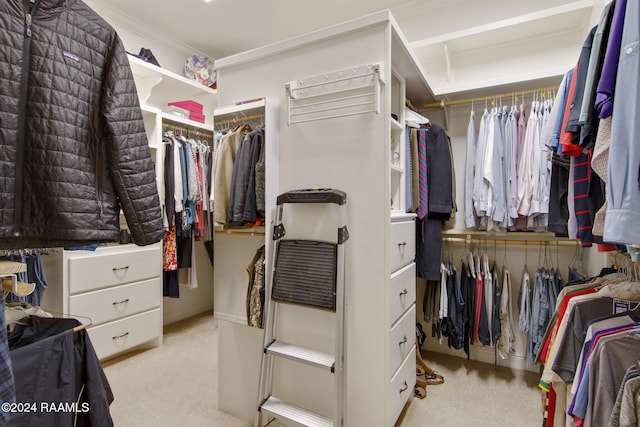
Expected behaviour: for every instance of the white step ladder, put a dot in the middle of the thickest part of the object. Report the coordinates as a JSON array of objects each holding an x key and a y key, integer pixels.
[{"x": 308, "y": 273}]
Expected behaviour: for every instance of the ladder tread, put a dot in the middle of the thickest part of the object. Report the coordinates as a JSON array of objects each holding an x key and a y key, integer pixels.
[
  {"x": 292, "y": 415},
  {"x": 302, "y": 354}
]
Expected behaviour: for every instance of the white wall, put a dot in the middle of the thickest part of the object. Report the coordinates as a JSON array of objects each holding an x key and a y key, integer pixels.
[{"x": 170, "y": 53}]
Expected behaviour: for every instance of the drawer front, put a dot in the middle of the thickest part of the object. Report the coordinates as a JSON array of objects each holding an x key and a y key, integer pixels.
[
  {"x": 112, "y": 267},
  {"x": 402, "y": 339},
  {"x": 117, "y": 302},
  {"x": 401, "y": 389},
  {"x": 402, "y": 248},
  {"x": 402, "y": 292},
  {"x": 115, "y": 337}
]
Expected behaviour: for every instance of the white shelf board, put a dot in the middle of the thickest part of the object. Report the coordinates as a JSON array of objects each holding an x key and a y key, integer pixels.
[
  {"x": 165, "y": 116},
  {"x": 191, "y": 123},
  {"x": 237, "y": 108},
  {"x": 144, "y": 69},
  {"x": 397, "y": 169},
  {"x": 158, "y": 87},
  {"x": 148, "y": 109},
  {"x": 396, "y": 125},
  {"x": 398, "y": 215}
]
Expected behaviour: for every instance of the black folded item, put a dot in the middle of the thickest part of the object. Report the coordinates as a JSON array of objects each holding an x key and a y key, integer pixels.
[{"x": 146, "y": 55}]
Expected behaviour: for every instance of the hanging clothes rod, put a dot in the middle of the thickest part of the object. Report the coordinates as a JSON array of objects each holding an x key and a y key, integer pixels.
[
  {"x": 187, "y": 129},
  {"x": 82, "y": 326},
  {"x": 240, "y": 119},
  {"x": 443, "y": 103},
  {"x": 244, "y": 231},
  {"x": 516, "y": 237},
  {"x": 25, "y": 251},
  {"x": 550, "y": 243},
  {"x": 623, "y": 259},
  {"x": 180, "y": 129},
  {"x": 204, "y": 133},
  {"x": 624, "y": 263}
]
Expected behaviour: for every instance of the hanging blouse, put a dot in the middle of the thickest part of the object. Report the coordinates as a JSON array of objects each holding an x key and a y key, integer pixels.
[
  {"x": 479, "y": 191},
  {"x": 507, "y": 340},
  {"x": 524, "y": 301},
  {"x": 472, "y": 142}
]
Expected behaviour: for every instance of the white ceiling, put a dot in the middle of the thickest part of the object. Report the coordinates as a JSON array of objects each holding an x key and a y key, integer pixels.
[{"x": 467, "y": 47}]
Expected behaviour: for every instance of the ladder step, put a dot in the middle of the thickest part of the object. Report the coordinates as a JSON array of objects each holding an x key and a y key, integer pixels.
[
  {"x": 302, "y": 355},
  {"x": 292, "y": 415}
]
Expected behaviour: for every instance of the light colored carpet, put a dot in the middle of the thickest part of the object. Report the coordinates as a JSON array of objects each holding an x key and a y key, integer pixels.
[
  {"x": 476, "y": 395},
  {"x": 176, "y": 385}
]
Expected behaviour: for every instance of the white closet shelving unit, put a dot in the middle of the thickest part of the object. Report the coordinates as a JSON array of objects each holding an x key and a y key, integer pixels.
[
  {"x": 350, "y": 149},
  {"x": 156, "y": 88}
]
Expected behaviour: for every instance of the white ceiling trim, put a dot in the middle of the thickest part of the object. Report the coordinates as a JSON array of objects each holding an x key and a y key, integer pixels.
[{"x": 119, "y": 18}]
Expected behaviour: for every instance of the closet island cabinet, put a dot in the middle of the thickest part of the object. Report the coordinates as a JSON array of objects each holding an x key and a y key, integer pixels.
[
  {"x": 331, "y": 97},
  {"x": 116, "y": 289}
]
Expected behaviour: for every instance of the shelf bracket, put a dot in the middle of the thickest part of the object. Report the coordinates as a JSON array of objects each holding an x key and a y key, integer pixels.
[
  {"x": 144, "y": 86},
  {"x": 447, "y": 58}
]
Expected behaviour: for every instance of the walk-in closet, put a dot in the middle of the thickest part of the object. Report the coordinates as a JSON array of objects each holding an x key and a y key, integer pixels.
[{"x": 368, "y": 213}]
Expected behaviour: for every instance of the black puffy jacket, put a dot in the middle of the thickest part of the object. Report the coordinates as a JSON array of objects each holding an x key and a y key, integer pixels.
[{"x": 73, "y": 148}]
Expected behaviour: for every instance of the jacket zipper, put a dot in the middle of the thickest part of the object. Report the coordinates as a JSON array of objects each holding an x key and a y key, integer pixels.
[
  {"x": 22, "y": 114},
  {"x": 96, "y": 134},
  {"x": 99, "y": 176}
]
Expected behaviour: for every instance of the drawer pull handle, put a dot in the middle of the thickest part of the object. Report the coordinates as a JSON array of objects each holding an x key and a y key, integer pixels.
[
  {"x": 120, "y": 336},
  {"x": 404, "y": 340},
  {"x": 403, "y": 293},
  {"x": 404, "y": 387},
  {"x": 402, "y": 244},
  {"x": 121, "y": 302},
  {"x": 126, "y": 267}
]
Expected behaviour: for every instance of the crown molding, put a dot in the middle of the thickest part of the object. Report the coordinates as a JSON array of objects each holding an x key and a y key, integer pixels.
[{"x": 121, "y": 19}]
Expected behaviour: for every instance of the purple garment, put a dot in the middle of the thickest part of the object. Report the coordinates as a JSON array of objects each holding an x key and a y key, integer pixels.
[{"x": 607, "y": 82}]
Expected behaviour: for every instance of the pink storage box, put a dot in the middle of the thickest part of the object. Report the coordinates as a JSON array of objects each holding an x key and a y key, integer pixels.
[
  {"x": 196, "y": 117},
  {"x": 192, "y": 106}
]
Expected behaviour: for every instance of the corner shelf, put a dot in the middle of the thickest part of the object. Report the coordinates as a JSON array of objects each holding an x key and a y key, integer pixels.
[
  {"x": 157, "y": 87},
  {"x": 238, "y": 112}
]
